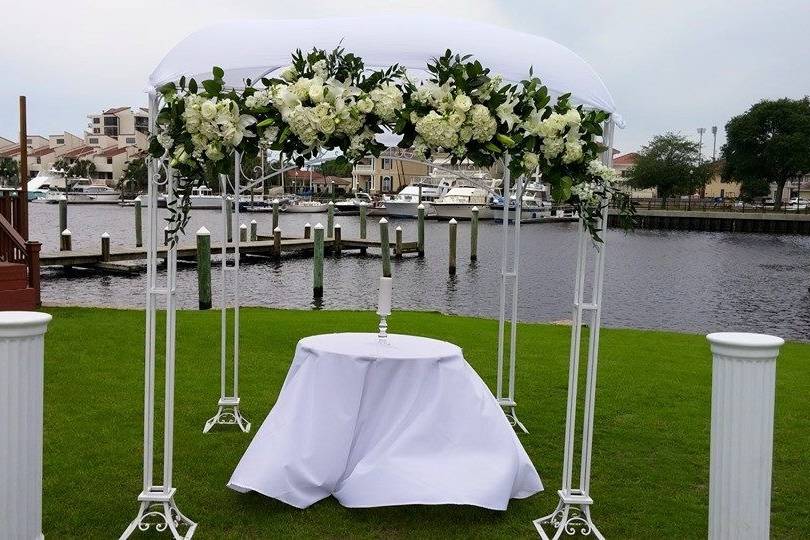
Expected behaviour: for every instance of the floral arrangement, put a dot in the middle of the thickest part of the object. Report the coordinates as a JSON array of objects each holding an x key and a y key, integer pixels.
[{"x": 329, "y": 101}]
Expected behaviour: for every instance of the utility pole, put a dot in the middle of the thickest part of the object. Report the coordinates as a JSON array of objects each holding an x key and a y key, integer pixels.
[
  {"x": 23, "y": 169},
  {"x": 714, "y": 144},
  {"x": 700, "y": 131}
]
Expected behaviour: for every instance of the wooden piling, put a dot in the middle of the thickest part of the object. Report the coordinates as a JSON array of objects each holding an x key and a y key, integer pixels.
[
  {"x": 452, "y": 255},
  {"x": 138, "y": 222},
  {"x": 204, "y": 268},
  {"x": 420, "y": 230},
  {"x": 398, "y": 243},
  {"x": 62, "y": 216},
  {"x": 254, "y": 230},
  {"x": 330, "y": 220},
  {"x": 275, "y": 214},
  {"x": 277, "y": 243},
  {"x": 105, "y": 247},
  {"x": 66, "y": 240},
  {"x": 363, "y": 212},
  {"x": 338, "y": 247},
  {"x": 307, "y": 230},
  {"x": 385, "y": 248},
  {"x": 317, "y": 285},
  {"x": 243, "y": 233},
  {"x": 474, "y": 234}
]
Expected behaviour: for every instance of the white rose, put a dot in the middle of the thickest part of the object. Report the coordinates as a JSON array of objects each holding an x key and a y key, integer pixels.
[
  {"x": 462, "y": 103},
  {"x": 530, "y": 161},
  {"x": 327, "y": 125},
  {"x": 208, "y": 110},
  {"x": 365, "y": 105},
  {"x": 289, "y": 74},
  {"x": 455, "y": 119},
  {"x": 319, "y": 68}
]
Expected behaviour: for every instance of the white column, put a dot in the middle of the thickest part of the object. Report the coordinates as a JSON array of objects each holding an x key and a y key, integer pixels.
[
  {"x": 743, "y": 385},
  {"x": 21, "y": 386}
]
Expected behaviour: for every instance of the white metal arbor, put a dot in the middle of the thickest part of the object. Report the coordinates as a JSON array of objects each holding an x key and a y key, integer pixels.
[{"x": 506, "y": 52}]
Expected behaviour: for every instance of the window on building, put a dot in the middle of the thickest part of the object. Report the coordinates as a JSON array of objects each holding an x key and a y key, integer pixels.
[
  {"x": 96, "y": 120},
  {"x": 93, "y": 140},
  {"x": 28, "y": 141},
  {"x": 130, "y": 140},
  {"x": 39, "y": 160},
  {"x": 110, "y": 120},
  {"x": 60, "y": 141},
  {"x": 109, "y": 161},
  {"x": 386, "y": 164},
  {"x": 96, "y": 130},
  {"x": 386, "y": 183}
]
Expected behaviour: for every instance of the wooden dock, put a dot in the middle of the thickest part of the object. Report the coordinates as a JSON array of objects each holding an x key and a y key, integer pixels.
[
  {"x": 718, "y": 220},
  {"x": 263, "y": 247}
]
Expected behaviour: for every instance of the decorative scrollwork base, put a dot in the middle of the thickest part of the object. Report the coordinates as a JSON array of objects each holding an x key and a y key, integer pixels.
[
  {"x": 568, "y": 519},
  {"x": 228, "y": 414},
  {"x": 160, "y": 515},
  {"x": 511, "y": 415}
]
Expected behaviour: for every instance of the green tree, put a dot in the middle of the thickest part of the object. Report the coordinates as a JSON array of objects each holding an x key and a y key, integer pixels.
[
  {"x": 339, "y": 167},
  {"x": 134, "y": 177},
  {"x": 669, "y": 163},
  {"x": 768, "y": 144},
  {"x": 9, "y": 172},
  {"x": 74, "y": 169}
]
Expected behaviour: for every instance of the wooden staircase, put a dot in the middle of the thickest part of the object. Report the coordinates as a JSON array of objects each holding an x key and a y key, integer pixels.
[
  {"x": 15, "y": 294},
  {"x": 19, "y": 258}
]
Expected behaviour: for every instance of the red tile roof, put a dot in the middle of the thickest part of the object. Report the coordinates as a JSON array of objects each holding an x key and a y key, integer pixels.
[
  {"x": 115, "y": 110},
  {"x": 329, "y": 179},
  {"x": 79, "y": 152},
  {"x": 627, "y": 159},
  {"x": 298, "y": 174},
  {"x": 10, "y": 151},
  {"x": 111, "y": 151},
  {"x": 43, "y": 151}
]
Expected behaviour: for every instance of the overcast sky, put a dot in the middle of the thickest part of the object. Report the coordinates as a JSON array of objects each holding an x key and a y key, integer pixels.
[{"x": 670, "y": 64}]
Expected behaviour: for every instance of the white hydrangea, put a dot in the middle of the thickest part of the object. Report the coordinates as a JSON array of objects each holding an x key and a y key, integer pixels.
[
  {"x": 387, "y": 102},
  {"x": 552, "y": 146},
  {"x": 436, "y": 131},
  {"x": 530, "y": 161},
  {"x": 586, "y": 192},
  {"x": 462, "y": 103},
  {"x": 214, "y": 125},
  {"x": 573, "y": 150},
  {"x": 483, "y": 124},
  {"x": 319, "y": 68}
]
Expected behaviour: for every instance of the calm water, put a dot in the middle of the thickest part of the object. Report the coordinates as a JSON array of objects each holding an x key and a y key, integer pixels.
[{"x": 689, "y": 281}]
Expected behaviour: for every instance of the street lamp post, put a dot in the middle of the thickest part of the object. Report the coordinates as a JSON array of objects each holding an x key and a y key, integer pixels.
[
  {"x": 714, "y": 144},
  {"x": 700, "y": 131}
]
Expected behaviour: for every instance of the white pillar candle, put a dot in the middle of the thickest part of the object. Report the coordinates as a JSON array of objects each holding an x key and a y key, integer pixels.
[
  {"x": 743, "y": 382},
  {"x": 384, "y": 307}
]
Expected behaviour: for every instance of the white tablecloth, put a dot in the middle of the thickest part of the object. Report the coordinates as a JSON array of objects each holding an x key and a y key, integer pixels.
[{"x": 407, "y": 422}]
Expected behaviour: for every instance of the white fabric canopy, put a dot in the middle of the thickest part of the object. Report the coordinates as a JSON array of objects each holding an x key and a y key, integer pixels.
[
  {"x": 254, "y": 48},
  {"x": 404, "y": 422}
]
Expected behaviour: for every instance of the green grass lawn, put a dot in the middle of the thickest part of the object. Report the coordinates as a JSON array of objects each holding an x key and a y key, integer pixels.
[{"x": 651, "y": 440}]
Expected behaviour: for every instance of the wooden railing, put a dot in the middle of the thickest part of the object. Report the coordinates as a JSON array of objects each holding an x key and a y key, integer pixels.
[{"x": 14, "y": 248}]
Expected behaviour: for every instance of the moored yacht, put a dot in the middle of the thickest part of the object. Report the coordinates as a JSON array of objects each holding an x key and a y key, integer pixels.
[
  {"x": 534, "y": 203},
  {"x": 83, "y": 191},
  {"x": 352, "y": 205},
  {"x": 458, "y": 201},
  {"x": 424, "y": 190}
]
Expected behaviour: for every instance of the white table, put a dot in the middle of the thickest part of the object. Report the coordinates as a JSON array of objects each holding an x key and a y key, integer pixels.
[{"x": 382, "y": 424}]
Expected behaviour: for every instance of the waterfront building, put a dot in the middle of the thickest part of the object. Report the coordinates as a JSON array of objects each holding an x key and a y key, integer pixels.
[{"x": 384, "y": 174}]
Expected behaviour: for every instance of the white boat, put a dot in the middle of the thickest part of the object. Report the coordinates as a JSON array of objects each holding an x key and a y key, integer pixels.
[
  {"x": 797, "y": 203},
  {"x": 352, "y": 206},
  {"x": 305, "y": 207},
  {"x": 534, "y": 203},
  {"x": 84, "y": 191},
  {"x": 203, "y": 197},
  {"x": 43, "y": 183},
  {"x": 458, "y": 202},
  {"x": 406, "y": 202}
]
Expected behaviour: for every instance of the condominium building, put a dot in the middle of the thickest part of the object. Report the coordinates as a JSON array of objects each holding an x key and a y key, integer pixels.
[{"x": 112, "y": 138}]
